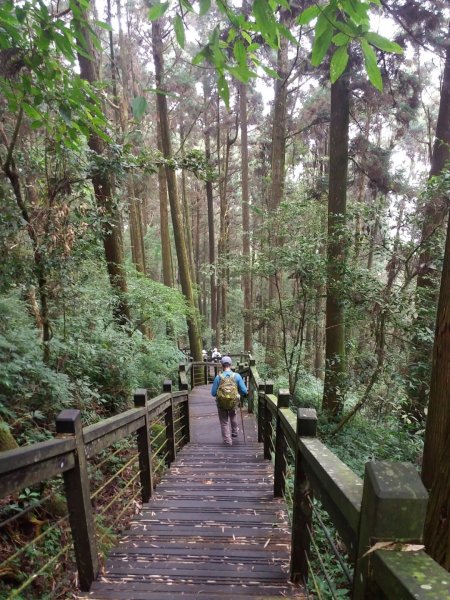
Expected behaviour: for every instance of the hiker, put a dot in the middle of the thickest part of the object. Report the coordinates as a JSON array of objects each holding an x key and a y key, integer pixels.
[
  {"x": 204, "y": 355},
  {"x": 215, "y": 355},
  {"x": 226, "y": 389}
]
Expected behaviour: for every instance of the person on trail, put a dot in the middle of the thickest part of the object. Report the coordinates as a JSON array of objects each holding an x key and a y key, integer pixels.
[
  {"x": 215, "y": 354},
  {"x": 227, "y": 388}
]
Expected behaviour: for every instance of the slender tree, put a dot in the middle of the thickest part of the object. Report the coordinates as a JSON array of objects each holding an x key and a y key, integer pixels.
[
  {"x": 177, "y": 219},
  {"x": 277, "y": 185},
  {"x": 435, "y": 214},
  {"x": 246, "y": 277},
  {"x": 207, "y": 95},
  {"x": 336, "y": 249},
  {"x": 101, "y": 180}
]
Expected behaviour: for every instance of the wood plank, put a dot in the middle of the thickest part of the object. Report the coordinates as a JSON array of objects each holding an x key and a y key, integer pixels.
[{"x": 211, "y": 530}]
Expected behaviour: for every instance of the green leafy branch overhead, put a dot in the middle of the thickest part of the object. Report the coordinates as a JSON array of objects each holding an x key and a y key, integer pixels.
[{"x": 339, "y": 23}]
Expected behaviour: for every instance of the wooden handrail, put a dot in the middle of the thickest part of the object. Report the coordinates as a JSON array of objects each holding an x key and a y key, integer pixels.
[
  {"x": 68, "y": 455},
  {"x": 387, "y": 505}
]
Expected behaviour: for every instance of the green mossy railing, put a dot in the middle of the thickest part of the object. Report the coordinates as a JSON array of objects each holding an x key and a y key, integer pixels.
[{"x": 380, "y": 518}]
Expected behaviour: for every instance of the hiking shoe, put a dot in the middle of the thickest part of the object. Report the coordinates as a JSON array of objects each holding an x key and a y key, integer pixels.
[{"x": 235, "y": 433}]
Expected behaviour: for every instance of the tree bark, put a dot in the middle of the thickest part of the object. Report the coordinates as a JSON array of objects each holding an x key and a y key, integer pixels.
[
  {"x": 437, "y": 521},
  {"x": 134, "y": 206},
  {"x": 277, "y": 189},
  {"x": 246, "y": 277},
  {"x": 103, "y": 190},
  {"x": 210, "y": 207},
  {"x": 435, "y": 213},
  {"x": 333, "y": 395},
  {"x": 177, "y": 221},
  {"x": 166, "y": 251}
]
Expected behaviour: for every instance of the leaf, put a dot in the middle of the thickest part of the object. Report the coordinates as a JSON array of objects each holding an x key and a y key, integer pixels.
[
  {"x": 187, "y": 5},
  {"x": 66, "y": 114},
  {"x": 287, "y": 34},
  {"x": 308, "y": 14},
  {"x": 338, "y": 63},
  {"x": 239, "y": 52},
  {"x": 321, "y": 46},
  {"x": 199, "y": 57},
  {"x": 340, "y": 39},
  {"x": 64, "y": 45},
  {"x": 370, "y": 61},
  {"x": 205, "y": 5},
  {"x": 383, "y": 43},
  {"x": 270, "y": 72},
  {"x": 138, "y": 106},
  {"x": 179, "y": 30},
  {"x": 103, "y": 25},
  {"x": 31, "y": 112},
  {"x": 265, "y": 21},
  {"x": 224, "y": 91},
  {"x": 157, "y": 11}
]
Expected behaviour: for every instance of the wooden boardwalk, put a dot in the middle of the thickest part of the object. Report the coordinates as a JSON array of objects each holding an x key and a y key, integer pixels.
[{"x": 212, "y": 528}]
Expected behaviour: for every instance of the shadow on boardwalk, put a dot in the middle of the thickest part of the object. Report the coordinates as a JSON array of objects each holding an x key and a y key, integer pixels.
[{"x": 212, "y": 528}]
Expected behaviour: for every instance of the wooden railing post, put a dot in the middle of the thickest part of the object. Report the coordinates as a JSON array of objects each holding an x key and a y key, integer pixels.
[
  {"x": 251, "y": 390},
  {"x": 280, "y": 448},
  {"x": 393, "y": 509},
  {"x": 301, "y": 502},
  {"x": 192, "y": 376},
  {"x": 78, "y": 495},
  {"x": 182, "y": 378},
  {"x": 170, "y": 427},
  {"x": 267, "y": 430},
  {"x": 261, "y": 408},
  {"x": 185, "y": 420},
  {"x": 144, "y": 448}
]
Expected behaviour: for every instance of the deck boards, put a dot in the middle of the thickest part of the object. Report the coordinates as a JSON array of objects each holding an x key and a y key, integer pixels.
[{"x": 212, "y": 528}]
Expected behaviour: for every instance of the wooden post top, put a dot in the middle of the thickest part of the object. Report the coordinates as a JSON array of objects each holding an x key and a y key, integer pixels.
[
  {"x": 69, "y": 421},
  {"x": 167, "y": 385},
  {"x": 269, "y": 386},
  {"x": 307, "y": 422},
  {"x": 283, "y": 399},
  {"x": 140, "y": 397}
]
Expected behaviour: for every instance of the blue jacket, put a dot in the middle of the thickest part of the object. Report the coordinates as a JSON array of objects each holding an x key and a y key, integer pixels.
[{"x": 238, "y": 379}]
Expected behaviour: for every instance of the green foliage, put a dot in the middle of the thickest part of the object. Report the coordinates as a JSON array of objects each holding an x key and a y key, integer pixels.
[
  {"x": 363, "y": 441},
  {"x": 38, "y": 79},
  {"x": 341, "y": 22},
  {"x": 31, "y": 393}
]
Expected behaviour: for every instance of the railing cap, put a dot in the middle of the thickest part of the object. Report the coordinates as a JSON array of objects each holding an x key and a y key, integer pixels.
[
  {"x": 68, "y": 421},
  {"x": 283, "y": 399},
  {"x": 167, "y": 385},
  {"x": 306, "y": 422},
  {"x": 140, "y": 397}
]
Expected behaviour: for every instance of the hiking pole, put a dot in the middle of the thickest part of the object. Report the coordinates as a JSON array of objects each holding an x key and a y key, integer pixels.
[{"x": 242, "y": 420}]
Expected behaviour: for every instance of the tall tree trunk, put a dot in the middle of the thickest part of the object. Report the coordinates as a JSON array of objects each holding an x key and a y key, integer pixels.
[
  {"x": 166, "y": 250},
  {"x": 435, "y": 214},
  {"x": 334, "y": 384},
  {"x": 103, "y": 189},
  {"x": 246, "y": 281},
  {"x": 277, "y": 188},
  {"x": 134, "y": 206},
  {"x": 177, "y": 221},
  {"x": 187, "y": 215},
  {"x": 210, "y": 207},
  {"x": 224, "y": 238},
  {"x": 436, "y": 457}
]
